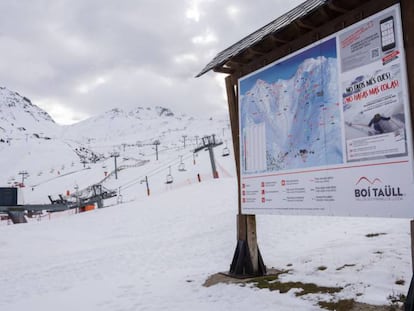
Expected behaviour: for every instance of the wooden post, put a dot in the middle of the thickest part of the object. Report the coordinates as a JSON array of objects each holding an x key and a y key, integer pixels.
[
  {"x": 241, "y": 227},
  {"x": 247, "y": 260},
  {"x": 412, "y": 243},
  {"x": 234, "y": 123},
  {"x": 407, "y": 13},
  {"x": 252, "y": 241}
]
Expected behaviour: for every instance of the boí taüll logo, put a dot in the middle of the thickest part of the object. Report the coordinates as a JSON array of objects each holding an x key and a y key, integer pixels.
[
  {"x": 369, "y": 188},
  {"x": 374, "y": 181}
]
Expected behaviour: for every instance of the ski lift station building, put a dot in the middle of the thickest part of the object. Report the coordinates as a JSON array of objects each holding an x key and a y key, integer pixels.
[{"x": 373, "y": 38}]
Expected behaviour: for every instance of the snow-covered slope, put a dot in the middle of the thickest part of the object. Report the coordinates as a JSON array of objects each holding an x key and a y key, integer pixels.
[
  {"x": 142, "y": 125},
  {"x": 155, "y": 253}
]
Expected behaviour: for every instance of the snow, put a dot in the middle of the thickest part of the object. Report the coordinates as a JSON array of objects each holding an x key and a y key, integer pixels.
[{"x": 155, "y": 252}]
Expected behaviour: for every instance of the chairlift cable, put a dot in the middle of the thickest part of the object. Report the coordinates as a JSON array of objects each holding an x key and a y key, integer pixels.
[{"x": 151, "y": 173}]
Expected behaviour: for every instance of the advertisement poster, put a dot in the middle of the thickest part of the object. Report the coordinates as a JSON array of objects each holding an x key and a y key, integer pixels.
[{"x": 326, "y": 130}]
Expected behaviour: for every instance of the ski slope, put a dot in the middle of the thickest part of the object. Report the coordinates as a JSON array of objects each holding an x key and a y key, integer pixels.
[{"x": 156, "y": 252}]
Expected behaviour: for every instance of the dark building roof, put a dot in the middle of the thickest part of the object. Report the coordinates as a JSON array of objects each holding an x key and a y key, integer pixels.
[{"x": 304, "y": 18}]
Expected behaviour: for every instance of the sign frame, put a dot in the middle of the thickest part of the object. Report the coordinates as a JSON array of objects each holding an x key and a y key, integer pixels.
[{"x": 364, "y": 183}]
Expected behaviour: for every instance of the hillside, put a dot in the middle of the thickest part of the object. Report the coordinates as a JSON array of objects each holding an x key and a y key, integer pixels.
[{"x": 59, "y": 159}]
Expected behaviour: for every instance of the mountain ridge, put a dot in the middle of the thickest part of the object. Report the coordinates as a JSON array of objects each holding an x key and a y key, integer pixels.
[
  {"x": 19, "y": 117},
  {"x": 46, "y": 150}
]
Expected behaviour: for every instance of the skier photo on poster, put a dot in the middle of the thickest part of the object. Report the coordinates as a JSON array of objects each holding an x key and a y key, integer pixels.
[{"x": 372, "y": 94}]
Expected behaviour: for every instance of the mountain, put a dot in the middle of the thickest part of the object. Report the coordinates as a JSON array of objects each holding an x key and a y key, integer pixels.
[
  {"x": 300, "y": 115},
  {"x": 144, "y": 124},
  {"x": 19, "y": 118},
  {"x": 50, "y": 159}
]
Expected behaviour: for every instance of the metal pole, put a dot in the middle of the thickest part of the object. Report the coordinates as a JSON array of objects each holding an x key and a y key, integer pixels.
[
  {"x": 184, "y": 136},
  {"x": 77, "y": 199},
  {"x": 146, "y": 182},
  {"x": 156, "y": 143},
  {"x": 213, "y": 163},
  {"x": 115, "y": 155},
  {"x": 23, "y": 173},
  {"x": 116, "y": 169}
]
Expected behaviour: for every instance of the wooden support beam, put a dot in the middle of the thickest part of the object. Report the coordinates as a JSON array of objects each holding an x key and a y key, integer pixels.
[
  {"x": 223, "y": 69},
  {"x": 255, "y": 51},
  {"x": 407, "y": 12},
  {"x": 232, "y": 99},
  {"x": 278, "y": 39},
  {"x": 298, "y": 31},
  {"x": 252, "y": 241},
  {"x": 303, "y": 25},
  {"x": 325, "y": 14},
  {"x": 235, "y": 62},
  {"x": 412, "y": 243},
  {"x": 336, "y": 8},
  {"x": 241, "y": 227}
]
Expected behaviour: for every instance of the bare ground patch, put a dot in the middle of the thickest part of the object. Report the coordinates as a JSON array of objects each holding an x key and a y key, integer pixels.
[{"x": 271, "y": 281}]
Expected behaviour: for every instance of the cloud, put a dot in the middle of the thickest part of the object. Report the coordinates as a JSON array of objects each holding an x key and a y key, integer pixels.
[{"x": 78, "y": 58}]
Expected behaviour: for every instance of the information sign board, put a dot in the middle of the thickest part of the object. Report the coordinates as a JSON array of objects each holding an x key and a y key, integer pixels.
[{"x": 327, "y": 129}]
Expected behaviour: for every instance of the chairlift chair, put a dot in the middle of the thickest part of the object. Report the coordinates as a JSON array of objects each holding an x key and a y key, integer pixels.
[
  {"x": 226, "y": 152},
  {"x": 181, "y": 167},
  {"x": 169, "y": 179}
]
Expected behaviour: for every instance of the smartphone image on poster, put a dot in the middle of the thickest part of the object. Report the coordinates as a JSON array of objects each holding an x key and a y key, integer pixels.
[{"x": 387, "y": 33}]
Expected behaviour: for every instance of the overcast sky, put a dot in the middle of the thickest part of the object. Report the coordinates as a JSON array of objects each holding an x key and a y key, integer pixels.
[{"x": 79, "y": 58}]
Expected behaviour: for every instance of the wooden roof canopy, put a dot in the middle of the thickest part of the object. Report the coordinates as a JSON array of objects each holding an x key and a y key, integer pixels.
[{"x": 309, "y": 22}]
